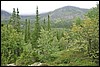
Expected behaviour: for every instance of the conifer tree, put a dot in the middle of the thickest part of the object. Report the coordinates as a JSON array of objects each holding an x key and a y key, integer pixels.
[
  {"x": 37, "y": 16},
  {"x": 18, "y": 20},
  {"x": 26, "y": 30},
  {"x": 58, "y": 35},
  {"x": 44, "y": 25},
  {"x": 49, "y": 23},
  {"x": 13, "y": 18},
  {"x": 36, "y": 31}
]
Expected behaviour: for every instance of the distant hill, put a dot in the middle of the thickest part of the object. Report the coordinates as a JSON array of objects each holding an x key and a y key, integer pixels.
[
  {"x": 65, "y": 13},
  {"x": 5, "y": 15}
]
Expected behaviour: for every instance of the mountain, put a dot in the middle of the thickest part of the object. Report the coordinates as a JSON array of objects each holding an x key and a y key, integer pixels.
[
  {"x": 64, "y": 13},
  {"x": 5, "y": 15}
]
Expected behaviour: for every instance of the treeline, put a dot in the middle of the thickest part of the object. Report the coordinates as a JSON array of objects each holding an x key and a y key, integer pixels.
[{"x": 24, "y": 45}]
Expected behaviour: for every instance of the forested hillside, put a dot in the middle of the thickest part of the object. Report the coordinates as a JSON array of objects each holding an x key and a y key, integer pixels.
[
  {"x": 60, "y": 18},
  {"x": 29, "y": 43},
  {"x": 67, "y": 12}
]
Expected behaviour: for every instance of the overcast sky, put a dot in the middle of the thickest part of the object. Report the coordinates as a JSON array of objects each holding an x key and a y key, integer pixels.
[{"x": 29, "y": 7}]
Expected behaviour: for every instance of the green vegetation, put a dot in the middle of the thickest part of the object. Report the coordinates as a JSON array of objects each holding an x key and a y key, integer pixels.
[{"x": 77, "y": 45}]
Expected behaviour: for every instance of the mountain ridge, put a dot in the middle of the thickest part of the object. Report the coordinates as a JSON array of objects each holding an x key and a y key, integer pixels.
[{"x": 66, "y": 12}]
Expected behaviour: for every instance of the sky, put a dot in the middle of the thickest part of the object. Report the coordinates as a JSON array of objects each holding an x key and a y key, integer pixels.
[{"x": 29, "y": 7}]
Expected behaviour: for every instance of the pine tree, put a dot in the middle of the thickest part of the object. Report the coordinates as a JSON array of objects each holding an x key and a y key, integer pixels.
[
  {"x": 49, "y": 23},
  {"x": 37, "y": 15},
  {"x": 44, "y": 25},
  {"x": 18, "y": 21},
  {"x": 26, "y": 31},
  {"x": 36, "y": 31},
  {"x": 58, "y": 37},
  {"x": 13, "y": 18}
]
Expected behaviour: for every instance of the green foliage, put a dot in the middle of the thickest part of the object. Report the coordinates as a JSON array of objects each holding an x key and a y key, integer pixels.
[
  {"x": 24, "y": 59},
  {"x": 78, "y": 21},
  {"x": 62, "y": 43},
  {"x": 26, "y": 31},
  {"x": 18, "y": 21},
  {"x": 11, "y": 43},
  {"x": 44, "y": 24},
  {"x": 29, "y": 30},
  {"x": 36, "y": 31},
  {"x": 27, "y": 57},
  {"x": 88, "y": 31},
  {"x": 49, "y": 23},
  {"x": 72, "y": 58},
  {"x": 48, "y": 44},
  {"x": 77, "y": 45},
  {"x": 15, "y": 20}
]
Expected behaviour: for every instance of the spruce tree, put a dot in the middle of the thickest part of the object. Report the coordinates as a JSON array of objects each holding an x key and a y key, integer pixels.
[
  {"x": 26, "y": 30},
  {"x": 44, "y": 25},
  {"x": 49, "y": 23},
  {"x": 18, "y": 20},
  {"x": 36, "y": 31},
  {"x": 13, "y": 18},
  {"x": 37, "y": 15}
]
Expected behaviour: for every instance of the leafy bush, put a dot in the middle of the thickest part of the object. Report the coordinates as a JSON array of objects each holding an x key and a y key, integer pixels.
[{"x": 72, "y": 58}]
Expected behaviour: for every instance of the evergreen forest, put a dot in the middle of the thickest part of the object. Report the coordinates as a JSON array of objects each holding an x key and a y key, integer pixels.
[{"x": 26, "y": 43}]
